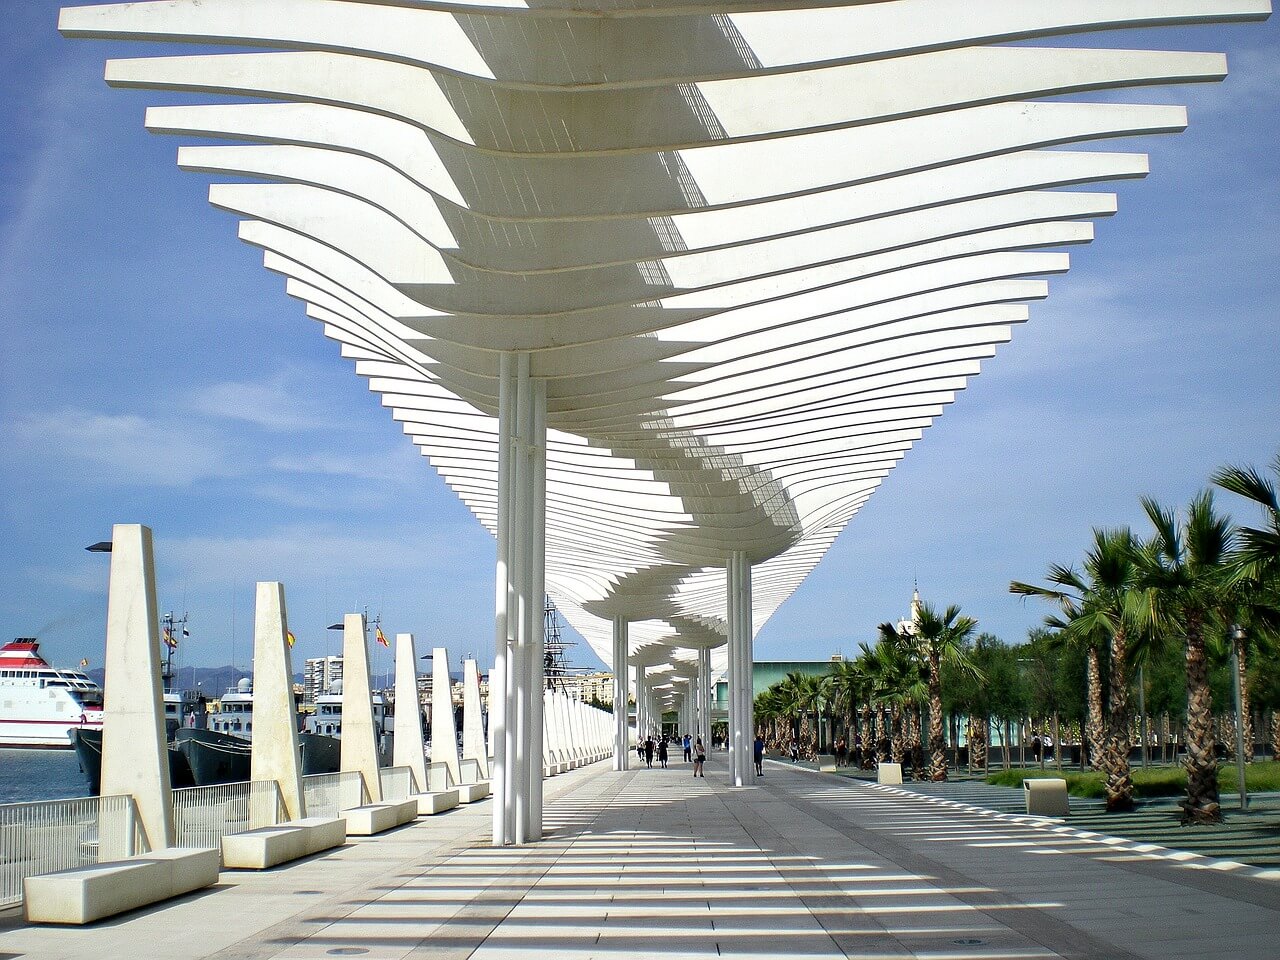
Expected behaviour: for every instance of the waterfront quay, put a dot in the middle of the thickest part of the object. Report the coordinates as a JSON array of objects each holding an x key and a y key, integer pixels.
[{"x": 656, "y": 864}]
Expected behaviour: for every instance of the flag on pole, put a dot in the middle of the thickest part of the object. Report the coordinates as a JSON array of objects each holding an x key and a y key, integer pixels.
[
  {"x": 288, "y": 635},
  {"x": 380, "y": 636},
  {"x": 169, "y": 640}
]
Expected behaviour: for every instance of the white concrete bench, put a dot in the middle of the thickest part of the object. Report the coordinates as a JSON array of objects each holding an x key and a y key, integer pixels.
[
  {"x": 373, "y": 818},
  {"x": 471, "y": 792},
  {"x": 435, "y": 801},
  {"x": 269, "y": 846},
  {"x": 889, "y": 773},
  {"x": 1046, "y": 797},
  {"x": 85, "y": 894}
]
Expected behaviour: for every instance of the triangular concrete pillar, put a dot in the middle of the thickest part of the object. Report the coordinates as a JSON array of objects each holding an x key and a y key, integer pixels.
[
  {"x": 135, "y": 756},
  {"x": 274, "y": 754},
  {"x": 473, "y": 742},
  {"x": 408, "y": 747},
  {"x": 444, "y": 731},
  {"x": 359, "y": 734}
]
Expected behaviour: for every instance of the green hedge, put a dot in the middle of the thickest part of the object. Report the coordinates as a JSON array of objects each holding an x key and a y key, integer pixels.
[{"x": 1154, "y": 782}]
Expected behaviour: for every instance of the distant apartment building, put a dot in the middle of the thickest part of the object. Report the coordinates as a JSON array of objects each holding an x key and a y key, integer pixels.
[
  {"x": 590, "y": 686},
  {"x": 318, "y": 674}
]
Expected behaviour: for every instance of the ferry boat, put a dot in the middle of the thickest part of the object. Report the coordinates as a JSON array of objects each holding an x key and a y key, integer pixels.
[{"x": 39, "y": 704}]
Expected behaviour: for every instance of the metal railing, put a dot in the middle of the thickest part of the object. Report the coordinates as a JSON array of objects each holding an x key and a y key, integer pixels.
[
  {"x": 397, "y": 783},
  {"x": 327, "y": 794},
  {"x": 202, "y": 816},
  {"x": 51, "y": 835}
]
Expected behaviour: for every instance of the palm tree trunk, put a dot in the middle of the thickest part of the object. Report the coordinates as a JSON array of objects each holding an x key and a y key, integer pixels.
[
  {"x": 1201, "y": 803},
  {"x": 1057, "y": 742},
  {"x": 882, "y": 736},
  {"x": 1246, "y": 714},
  {"x": 895, "y": 734},
  {"x": 937, "y": 754},
  {"x": 1275, "y": 732},
  {"x": 1093, "y": 724},
  {"x": 1119, "y": 782}
]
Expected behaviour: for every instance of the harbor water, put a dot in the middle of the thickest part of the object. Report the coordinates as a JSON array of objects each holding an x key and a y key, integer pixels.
[{"x": 27, "y": 775}]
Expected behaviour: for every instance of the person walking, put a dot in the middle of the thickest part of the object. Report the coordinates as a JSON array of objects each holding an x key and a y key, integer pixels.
[
  {"x": 795, "y": 750},
  {"x": 699, "y": 758},
  {"x": 688, "y": 748},
  {"x": 648, "y": 752},
  {"x": 757, "y": 753},
  {"x": 662, "y": 752}
]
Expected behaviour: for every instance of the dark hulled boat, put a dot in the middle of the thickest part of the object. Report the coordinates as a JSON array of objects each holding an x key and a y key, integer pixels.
[{"x": 87, "y": 743}]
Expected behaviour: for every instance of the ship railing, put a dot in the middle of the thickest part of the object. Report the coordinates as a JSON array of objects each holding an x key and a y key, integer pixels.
[
  {"x": 50, "y": 835},
  {"x": 398, "y": 783},
  {"x": 328, "y": 794},
  {"x": 202, "y": 816}
]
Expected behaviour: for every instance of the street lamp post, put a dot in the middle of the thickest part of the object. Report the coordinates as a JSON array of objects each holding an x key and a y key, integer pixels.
[{"x": 1237, "y": 637}]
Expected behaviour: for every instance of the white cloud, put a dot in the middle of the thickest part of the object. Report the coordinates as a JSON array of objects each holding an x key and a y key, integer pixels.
[
  {"x": 272, "y": 405},
  {"x": 126, "y": 448}
]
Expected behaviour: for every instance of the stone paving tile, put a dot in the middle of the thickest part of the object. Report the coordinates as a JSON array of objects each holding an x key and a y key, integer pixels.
[{"x": 649, "y": 864}]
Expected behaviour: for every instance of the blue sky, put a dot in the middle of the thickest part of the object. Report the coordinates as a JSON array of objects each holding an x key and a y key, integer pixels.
[{"x": 151, "y": 371}]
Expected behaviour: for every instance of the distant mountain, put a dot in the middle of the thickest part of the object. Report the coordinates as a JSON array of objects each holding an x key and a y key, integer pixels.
[{"x": 211, "y": 681}]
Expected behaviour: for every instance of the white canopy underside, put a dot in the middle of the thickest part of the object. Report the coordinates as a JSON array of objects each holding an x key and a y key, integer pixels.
[{"x": 754, "y": 248}]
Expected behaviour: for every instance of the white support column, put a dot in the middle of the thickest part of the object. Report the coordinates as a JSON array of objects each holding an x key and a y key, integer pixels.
[
  {"x": 518, "y": 718},
  {"x": 642, "y": 704},
  {"x": 473, "y": 746},
  {"x": 537, "y": 507},
  {"x": 621, "y": 746},
  {"x": 135, "y": 758},
  {"x": 517, "y": 776},
  {"x": 704, "y": 696},
  {"x": 274, "y": 753},
  {"x": 359, "y": 748},
  {"x": 738, "y": 615},
  {"x": 408, "y": 749}
]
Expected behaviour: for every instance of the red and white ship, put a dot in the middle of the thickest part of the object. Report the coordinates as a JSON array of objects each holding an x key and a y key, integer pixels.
[{"x": 39, "y": 704}]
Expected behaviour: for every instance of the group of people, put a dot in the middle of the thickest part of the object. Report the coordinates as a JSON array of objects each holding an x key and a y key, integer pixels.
[{"x": 694, "y": 752}]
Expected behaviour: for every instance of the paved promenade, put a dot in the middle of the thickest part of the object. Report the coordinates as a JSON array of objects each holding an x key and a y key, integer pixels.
[{"x": 654, "y": 864}]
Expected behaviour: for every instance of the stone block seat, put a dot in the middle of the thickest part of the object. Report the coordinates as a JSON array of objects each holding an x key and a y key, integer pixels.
[
  {"x": 1046, "y": 797},
  {"x": 436, "y": 801},
  {"x": 269, "y": 846},
  {"x": 473, "y": 786},
  {"x": 84, "y": 894},
  {"x": 374, "y": 818},
  {"x": 889, "y": 773}
]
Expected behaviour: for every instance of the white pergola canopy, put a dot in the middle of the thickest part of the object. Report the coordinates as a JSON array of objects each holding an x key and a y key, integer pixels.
[{"x": 751, "y": 249}]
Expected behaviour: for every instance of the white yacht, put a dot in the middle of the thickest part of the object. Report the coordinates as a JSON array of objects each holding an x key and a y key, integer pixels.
[
  {"x": 327, "y": 720},
  {"x": 41, "y": 705}
]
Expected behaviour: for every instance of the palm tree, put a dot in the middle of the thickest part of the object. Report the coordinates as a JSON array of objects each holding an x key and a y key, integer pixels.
[
  {"x": 942, "y": 639},
  {"x": 1184, "y": 576},
  {"x": 898, "y": 680},
  {"x": 1096, "y": 605},
  {"x": 1255, "y": 565},
  {"x": 849, "y": 684}
]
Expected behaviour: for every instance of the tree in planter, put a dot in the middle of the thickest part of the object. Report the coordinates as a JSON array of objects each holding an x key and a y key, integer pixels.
[
  {"x": 972, "y": 696},
  {"x": 1098, "y": 603},
  {"x": 1052, "y": 682},
  {"x": 1184, "y": 578},
  {"x": 895, "y": 684},
  {"x": 938, "y": 638}
]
